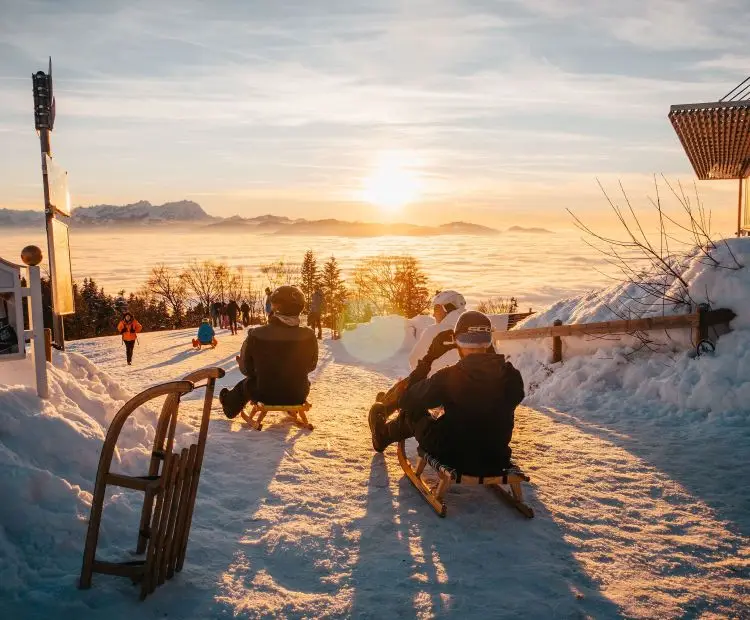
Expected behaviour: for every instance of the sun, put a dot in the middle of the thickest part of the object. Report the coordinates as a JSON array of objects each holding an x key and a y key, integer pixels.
[{"x": 393, "y": 183}]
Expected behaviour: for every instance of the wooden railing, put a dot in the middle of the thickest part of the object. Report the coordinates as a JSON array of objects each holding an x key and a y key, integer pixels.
[{"x": 699, "y": 322}]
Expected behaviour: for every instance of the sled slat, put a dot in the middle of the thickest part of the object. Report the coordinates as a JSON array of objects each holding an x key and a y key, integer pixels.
[
  {"x": 136, "y": 483},
  {"x": 179, "y": 530},
  {"x": 134, "y": 570}
]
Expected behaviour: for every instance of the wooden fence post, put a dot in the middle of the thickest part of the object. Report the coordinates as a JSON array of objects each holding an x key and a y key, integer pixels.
[
  {"x": 48, "y": 343},
  {"x": 557, "y": 345}
]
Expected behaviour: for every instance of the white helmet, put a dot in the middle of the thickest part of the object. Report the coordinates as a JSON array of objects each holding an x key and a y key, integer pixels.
[{"x": 449, "y": 300}]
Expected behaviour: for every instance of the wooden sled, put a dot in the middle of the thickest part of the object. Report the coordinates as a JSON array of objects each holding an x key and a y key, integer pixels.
[
  {"x": 197, "y": 344},
  {"x": 169, "y": 488},
  {"x": 507, "y": 484},
  {"x": 296, "y": 412}
]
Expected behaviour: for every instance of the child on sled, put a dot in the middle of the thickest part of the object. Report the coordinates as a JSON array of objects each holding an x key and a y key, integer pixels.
[{"x": 206, "y": 336}]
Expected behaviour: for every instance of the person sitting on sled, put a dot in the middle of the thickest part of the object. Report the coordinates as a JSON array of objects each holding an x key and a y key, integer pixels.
[
  {"x": 275, "y": 358},
  {"x": 206, "y": 335},
  {"x": 479, "y": 395},
  {"x": 447, "y": 306}
]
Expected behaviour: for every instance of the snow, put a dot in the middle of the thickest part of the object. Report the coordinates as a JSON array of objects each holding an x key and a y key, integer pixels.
[{"x": 639, "y": 469}]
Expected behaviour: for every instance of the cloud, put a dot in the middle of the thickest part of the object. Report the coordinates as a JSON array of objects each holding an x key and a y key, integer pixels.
[{"x": 304, "y": 95}]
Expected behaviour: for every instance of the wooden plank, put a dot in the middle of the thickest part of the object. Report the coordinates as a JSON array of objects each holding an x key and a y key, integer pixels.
[
  {"x": 605, "y": 327},
  {"x": 178, "y": 540},
  {"x": 169, "y": 530},
  {"x": 136, "y": 483},
  {"x": 163, "y": 531},
  {"x": 133, "y": 570}
]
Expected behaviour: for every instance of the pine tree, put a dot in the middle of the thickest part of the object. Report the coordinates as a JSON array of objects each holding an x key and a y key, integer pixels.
[
  {"x": 334, "y": 293},
  {"x": 310, "y": 276}
]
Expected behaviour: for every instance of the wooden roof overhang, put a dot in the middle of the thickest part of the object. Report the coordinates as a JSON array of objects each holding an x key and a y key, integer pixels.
[{"x": 715, "y": 136}]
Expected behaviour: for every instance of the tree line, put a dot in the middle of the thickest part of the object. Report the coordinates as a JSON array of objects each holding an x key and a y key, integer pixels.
[{"x": 179, "y": 298}]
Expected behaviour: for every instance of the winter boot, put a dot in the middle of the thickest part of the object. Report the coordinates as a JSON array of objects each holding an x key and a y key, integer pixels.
[{"x": 378, "y": 429}]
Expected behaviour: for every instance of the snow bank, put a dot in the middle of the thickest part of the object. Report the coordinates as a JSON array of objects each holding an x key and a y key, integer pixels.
[
  {"x": 49, "y": 453},
  {"x": 600, "y": 372}
]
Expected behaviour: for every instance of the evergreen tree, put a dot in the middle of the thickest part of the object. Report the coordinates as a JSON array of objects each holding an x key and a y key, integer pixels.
[
  {"x": 412, "y": 296},
  {"x": 310, "y": 278},
  {"x": 334, "y": 293}
]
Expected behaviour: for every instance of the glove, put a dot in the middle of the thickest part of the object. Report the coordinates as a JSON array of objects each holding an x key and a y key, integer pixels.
[
  {"x": 440, "y": 345},
  {"x": 392, "y": 396}
]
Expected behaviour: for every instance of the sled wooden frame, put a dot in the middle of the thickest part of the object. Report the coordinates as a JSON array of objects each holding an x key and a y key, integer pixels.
[
  {"x": 507, "y": 485},
  {"x": 298, "y": 414},
  {"x": 213, "y": 344},
  {"x": 169, "y": 490}
]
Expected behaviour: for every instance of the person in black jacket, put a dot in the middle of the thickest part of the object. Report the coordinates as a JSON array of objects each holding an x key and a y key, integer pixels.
[
  {"x": 232, "y": 311},
  {"x": 245, "y": 310},
  {"x": 275, "y": 358},
  {"x": 479, "y": 395}
]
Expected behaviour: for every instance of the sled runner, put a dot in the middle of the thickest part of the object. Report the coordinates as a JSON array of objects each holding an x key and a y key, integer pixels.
[
  {"x": 507, "y": 484},
  {"x": 169, "y": 488},
  {"x": 197, "y": 344},
  {"x": 296, "y": 412}
]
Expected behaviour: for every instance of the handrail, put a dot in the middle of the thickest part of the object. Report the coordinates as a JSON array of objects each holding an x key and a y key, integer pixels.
[
  {"x": 698, "y": 321},
  {"x": 604, "y": 327}
]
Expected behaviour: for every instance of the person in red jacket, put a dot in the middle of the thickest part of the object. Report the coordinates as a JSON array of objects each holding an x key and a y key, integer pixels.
[{"x": 129, "y": 328}]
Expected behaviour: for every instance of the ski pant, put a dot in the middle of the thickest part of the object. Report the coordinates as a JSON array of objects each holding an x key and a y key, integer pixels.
[
  {"x": 245, "y": 319},
  {"x": 233, "y": 323},
  {"x": 313, "y": 322},
  {"x": 415, "y": 423},
  {"x": 129, "y": 345},
  {"x": 236, "y": 399},
  {"x": 215, "y": 320}
]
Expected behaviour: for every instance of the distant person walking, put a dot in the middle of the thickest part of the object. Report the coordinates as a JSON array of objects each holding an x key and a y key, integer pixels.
[
  {"x": 317, "y": 303},
  {"x": 215, "y": 311},
  {"x": 245, "y": 310},
  {"x": 267, "y": 305},
  {"x": 222, "y": 315},
  {"x": 129, "y": 328},
  {"x": 233, "y": 311}
]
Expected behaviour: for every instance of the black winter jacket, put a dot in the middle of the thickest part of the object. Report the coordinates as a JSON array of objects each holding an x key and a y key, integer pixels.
[
  {"x": 276, "y": 359},
  {"x": 479, "y": 395}
]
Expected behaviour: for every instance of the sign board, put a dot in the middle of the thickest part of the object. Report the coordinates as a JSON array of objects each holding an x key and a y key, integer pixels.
[
  {"x": 12, "y": 340},
  {"x": 57, "y": 179},
  {"x": 59, "y": 259}
]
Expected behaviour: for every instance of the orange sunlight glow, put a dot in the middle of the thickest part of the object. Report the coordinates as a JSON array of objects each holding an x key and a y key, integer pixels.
[{"x": 393, "y": 183}]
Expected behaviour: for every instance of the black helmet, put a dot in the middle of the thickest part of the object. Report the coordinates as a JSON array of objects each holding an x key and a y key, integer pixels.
[
  {"x": 288, "y": 300},
  {"x": 473, "y": 330}
]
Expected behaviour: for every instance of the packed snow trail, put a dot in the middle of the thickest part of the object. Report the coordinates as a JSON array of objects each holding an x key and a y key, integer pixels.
[{"x": 290, "y": 523}]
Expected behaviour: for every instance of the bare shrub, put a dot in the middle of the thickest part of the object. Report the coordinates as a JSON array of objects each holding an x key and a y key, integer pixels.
[
  {"x": 392, "y": 284},
  {"x": 498, "y": 305}
]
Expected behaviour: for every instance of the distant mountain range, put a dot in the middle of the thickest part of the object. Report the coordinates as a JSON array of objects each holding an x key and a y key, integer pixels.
[{"x": 185, "y": 212}]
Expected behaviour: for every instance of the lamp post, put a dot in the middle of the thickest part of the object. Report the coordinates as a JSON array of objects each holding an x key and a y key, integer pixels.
[{"x": 44, "y": 122}]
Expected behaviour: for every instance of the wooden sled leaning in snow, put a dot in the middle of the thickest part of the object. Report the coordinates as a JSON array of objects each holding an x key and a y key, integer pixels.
[
  {"x": 169, "y": 488},
  {"x": 298, "y": 413},
  {"x": 507, "y": 484}
]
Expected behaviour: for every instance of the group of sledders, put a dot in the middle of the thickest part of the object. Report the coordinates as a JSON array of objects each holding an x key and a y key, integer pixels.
[{"x": 454, "y": 368}]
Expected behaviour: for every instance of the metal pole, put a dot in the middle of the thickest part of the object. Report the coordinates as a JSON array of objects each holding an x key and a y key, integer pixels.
[
  {"x": 58, "y": 329},
  {"x": 739, "y": 210}
]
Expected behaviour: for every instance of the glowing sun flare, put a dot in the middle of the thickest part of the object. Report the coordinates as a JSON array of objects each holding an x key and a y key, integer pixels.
[{"x": 391, "y": 187}]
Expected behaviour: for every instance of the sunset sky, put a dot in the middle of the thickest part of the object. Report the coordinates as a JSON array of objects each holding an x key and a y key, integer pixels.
[{"x": 494, "y": 112}]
